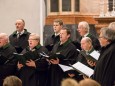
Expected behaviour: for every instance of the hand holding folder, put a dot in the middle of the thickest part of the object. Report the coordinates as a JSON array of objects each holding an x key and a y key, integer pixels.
[
  {"x": 52, "y": 56},
  {"x": 93, "y": 56},
  {"x": 23, "y": 58},
  {"x": 79, "y": 67},
  {"x": 83, "y": 69}
]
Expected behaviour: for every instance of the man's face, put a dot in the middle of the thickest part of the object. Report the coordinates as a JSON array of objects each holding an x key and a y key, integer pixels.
[
  {"x": 103, "y": 41},
  {"x": 81, "y": 30},
  {"x": 85, "y": 45},
  {"x": 57, "y": 27},
  {"x": 19, "y": 25},
  {"x": 2, "y": 41},
  {"x": 64, "y": 36},
  {"x": 33, "y": 41}
]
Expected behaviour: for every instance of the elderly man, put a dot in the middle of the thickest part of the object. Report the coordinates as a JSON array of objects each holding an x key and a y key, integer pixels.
[
  {"x": 19, "y": 38},
  {"x": 83, "y": 29},
  {"x": 34, "y": 71},
  {"x": 87, "y": 48},
  {"x": 104, "y": 72},
  {"x": 7, "y": 61}
]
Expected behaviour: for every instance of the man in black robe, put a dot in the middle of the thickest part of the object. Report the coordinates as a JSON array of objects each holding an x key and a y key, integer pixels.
[
  {"x": 7, "y": 60},
  {"x": 83, "y": 29},
  {"x": 54, "y": 38},
  {"x": 87, "y": 48},
  {"x": 19, "y": 38},
  {"x": 34, "y": 71},
  {"x": 104, "y": 72},
  {"x": 68, "y": 50}
]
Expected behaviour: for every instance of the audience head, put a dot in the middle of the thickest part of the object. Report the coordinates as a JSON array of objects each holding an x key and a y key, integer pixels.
[
  {"x": 64, "y": 34},
  {"x": 20, "y": 24},
  {"x": 112, "y": 25},
  {"x": 3, "y": 39},
  {"x": 86, "y": 43},
  {"x": 57, "y": 25},
  {"x": 69, "y": 82},
  {"x": 12, "y": 81},
  {"x": 34, "y": 40},
  {"x": 88, "y": 82},
  {"x": 106, "y": 36},
  {"x": 83, "y": 28}
]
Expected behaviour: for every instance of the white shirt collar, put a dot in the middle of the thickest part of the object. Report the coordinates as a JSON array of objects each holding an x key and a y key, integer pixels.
[
  {"x": 86, "y": 34},
  {"x": 20, "y": 32}
]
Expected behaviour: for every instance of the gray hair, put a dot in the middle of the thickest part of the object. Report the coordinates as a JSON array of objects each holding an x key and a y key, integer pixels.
[
  {"x": 112, "y": 25},
  {"x": 36, "y": 36},
  {"x": 87, "y": 39},
  {"x": 108, "y": 33},
  {"x": 85, "y": 25},
  {"x": 4, "y": 36}
]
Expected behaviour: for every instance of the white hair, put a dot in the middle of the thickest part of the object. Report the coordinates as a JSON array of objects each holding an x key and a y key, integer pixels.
[{"x": 4, "y": 36}]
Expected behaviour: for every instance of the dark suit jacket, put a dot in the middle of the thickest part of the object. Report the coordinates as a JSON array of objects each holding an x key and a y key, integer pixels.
[{"x": 21, "y": 42}]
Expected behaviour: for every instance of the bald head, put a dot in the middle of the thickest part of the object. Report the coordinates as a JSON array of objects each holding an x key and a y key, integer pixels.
[
  {"x": 87, "y": 39},
  {"x": 86, "y": 43}
]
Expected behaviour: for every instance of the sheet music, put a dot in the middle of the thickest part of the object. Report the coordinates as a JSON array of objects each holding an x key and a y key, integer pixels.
[
  {"x": 83, "y": 68},
  {"x": 65, "y": 68},
  {"x": 95, "y": 54}
]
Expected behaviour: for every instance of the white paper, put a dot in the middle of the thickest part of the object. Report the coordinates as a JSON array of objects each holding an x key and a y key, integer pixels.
[
  {"x": 95, "y": 54},
  {"x": 83, "y": 68},
  {"x": 65, "y": 68}
]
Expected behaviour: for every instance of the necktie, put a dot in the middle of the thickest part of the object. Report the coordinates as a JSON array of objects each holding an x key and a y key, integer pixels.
[{"x": 18, "y": 35}]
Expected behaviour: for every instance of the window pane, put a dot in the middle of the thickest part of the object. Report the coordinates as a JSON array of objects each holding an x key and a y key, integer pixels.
[
  {"x": 54, "y": 6},
  {"x": 76, "y": 5},
  {"x": 66, "y": 5},
  {"x": 110, "y": 2}
]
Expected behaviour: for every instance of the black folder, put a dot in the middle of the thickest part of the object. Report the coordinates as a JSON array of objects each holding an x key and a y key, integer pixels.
[
  {"x": 22, "y": 58},
  {"x": 88, "y": 56},
  {"x": 52, "y": 56}
]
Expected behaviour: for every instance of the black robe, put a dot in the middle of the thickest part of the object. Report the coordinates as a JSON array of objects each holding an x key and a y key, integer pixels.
[
  {"x": 31, "y": 76},
  {"x": 95, "y": 42},
  {"x": 104, "y": 72},
  {"x": 69, "y": 51},
  {"x": 83, "y": 60},
  {"x": 50, "y": 41},
  {"x": 21, "y": 42},
  {"x": 8, "y": 67}
]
